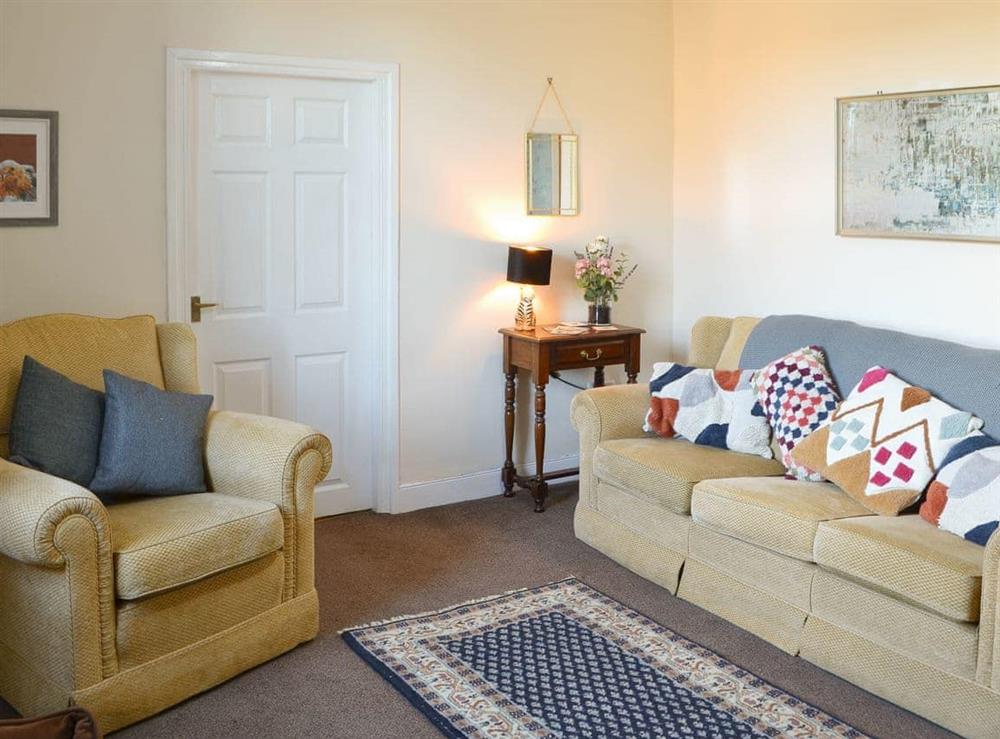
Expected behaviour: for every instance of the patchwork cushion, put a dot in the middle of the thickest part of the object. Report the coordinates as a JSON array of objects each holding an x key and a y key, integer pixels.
[
  {"x": 885, "y": 441},
  {"x": 665, "y": 471},
  {"x": 965, "y": 497},
  {"x": 56, "y": 426},
  {"x": 772, "y": 512},
  {"x": 152, "y": 441},
  {"x": 908, "y": 558},
  {"x": 161, "y": 543},
  {"x": 710, "y": 407},
  {"x": 798, "y": 395}
]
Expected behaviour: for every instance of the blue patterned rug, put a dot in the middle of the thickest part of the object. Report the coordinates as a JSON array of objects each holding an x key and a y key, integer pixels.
[{"x": 564, "y": 660}]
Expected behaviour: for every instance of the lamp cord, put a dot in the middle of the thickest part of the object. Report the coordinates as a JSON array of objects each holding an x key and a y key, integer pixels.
[{"x": 559, "y": 377}]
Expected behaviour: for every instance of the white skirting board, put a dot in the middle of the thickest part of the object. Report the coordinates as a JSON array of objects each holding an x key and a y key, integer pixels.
[{"x": 415, "y": 495}]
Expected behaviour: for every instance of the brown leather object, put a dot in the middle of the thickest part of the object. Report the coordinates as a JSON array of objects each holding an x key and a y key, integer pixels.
[{"x": 73, "y": 723}]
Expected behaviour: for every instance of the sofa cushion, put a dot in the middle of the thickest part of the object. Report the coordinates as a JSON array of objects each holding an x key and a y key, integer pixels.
[
  {"x": 56, "y": 426},
  {"x": 152, "y": 440},
  {"x": 80, "y": 347},
  {"x": 797, "y": 394},
  {"x": 151, "y": 627},
  {"x": 665, "y": 470},
  {"x": 965, "y": 497},
  {"x": 908, "y": 558},
  {"x": 773, "y": 574},
  {"x": 774, "y": 513},
  {"x": 709, "y": 407},
  {"x": 885, "y": 441},
  {"x": 915, "y": 632},
  {"x": 161, "y": 543}
]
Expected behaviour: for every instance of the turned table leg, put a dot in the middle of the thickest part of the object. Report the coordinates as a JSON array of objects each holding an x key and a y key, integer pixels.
[
  {"x": 632, "y": 360},
  {"x": 508, "y": 473},
  {"x": 599, "y": 376},
  {"x": 540, "y": 489}
]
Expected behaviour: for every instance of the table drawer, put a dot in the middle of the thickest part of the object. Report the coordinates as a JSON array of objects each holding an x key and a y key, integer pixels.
[{"x": 587, "y": 354}]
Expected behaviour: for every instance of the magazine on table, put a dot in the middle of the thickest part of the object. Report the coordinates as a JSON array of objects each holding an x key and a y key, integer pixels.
[{"x": 576, "y": 328}]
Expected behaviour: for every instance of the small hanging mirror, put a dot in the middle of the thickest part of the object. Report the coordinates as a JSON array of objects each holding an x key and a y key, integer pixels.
[{"x": 552, "y": 168}]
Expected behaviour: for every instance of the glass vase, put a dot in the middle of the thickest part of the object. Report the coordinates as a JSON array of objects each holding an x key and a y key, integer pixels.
[{"x": 599, "y": 314}]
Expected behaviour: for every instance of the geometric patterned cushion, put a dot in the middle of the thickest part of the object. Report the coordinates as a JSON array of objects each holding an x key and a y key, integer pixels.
[
  {"x": 885, "y": 442},
  {"x": 710, "y": 407},
  {"x": 798, "y": 395},
  {"x": 965, "y": 497}
]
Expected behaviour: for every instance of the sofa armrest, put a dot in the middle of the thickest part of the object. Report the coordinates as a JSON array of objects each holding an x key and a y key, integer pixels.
[
  {"x": 278, "y": 461},
  {"x": 56, "y": 531},
  {"x": 988, "y": 670},
  {"x": 33, "y": 505},
  {"x": 603, "y": 413},
  {"x": 613, "y": 412}
]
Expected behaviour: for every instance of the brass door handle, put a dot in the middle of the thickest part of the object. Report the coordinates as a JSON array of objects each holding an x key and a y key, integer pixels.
[
  {"x": 196, "y": 306},
  {"x": 585, "y": 355}
]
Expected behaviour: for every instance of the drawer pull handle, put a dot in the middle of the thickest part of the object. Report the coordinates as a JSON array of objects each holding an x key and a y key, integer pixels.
[{"x": 585, "y": 355}]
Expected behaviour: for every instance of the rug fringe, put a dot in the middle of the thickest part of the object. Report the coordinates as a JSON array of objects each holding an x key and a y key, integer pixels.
[{"x": 471, "y": 602}]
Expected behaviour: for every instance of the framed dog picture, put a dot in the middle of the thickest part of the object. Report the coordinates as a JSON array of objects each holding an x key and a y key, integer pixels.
[{"x": 29, "y": 168}]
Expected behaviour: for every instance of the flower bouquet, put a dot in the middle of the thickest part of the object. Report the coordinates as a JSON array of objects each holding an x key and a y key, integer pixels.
[{"x": 601, "y": 274}]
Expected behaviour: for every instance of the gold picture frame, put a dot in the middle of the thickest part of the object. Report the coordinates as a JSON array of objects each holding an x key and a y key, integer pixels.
[
  {"x": 552, "y": 174},
  {"x": 924, "y": 114}
]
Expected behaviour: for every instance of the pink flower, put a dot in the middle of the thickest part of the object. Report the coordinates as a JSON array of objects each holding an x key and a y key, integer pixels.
[
  {"x": 582, "y": 265},
  {"x": 604, "y": 266}
]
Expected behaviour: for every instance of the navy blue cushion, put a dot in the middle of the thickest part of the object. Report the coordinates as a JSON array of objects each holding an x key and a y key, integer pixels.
[
  {"x": 153, "y": 440},
  {"x": 56, "y": 425}
]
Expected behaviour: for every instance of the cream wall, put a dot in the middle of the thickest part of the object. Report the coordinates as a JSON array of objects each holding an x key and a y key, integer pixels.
[
  {"x": 754, "y": 167},
  {"x": 470, "y": 77}
]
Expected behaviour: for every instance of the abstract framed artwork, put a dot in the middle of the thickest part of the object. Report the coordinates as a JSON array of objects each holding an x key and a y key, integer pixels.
[
  {"x": 923, "y": 165},
  {"x": 29, "y": 168}
]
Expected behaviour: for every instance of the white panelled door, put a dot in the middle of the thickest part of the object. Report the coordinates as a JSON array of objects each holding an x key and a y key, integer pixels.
[{"x": 279, "y": 229}]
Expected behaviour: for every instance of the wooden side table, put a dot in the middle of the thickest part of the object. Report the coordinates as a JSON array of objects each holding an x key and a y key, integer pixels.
[{"x": 542, "y": 353}]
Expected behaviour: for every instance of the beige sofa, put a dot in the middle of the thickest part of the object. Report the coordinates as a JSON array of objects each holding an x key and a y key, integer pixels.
[
  {"x": 129, "y": 608},
  {"x": 895, "y": 605}
]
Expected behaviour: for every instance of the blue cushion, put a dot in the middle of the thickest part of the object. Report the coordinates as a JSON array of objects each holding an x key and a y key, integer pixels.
[
  {"x": 56, "y": 425},
  {"x": 153, "y": 440}
]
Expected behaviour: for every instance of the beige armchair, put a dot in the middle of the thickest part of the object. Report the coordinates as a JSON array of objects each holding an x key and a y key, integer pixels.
[{"x": 131, "y": 607}]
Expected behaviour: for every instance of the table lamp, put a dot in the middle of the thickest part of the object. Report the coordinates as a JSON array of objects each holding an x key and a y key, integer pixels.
[{"x": 527, "y": 266}]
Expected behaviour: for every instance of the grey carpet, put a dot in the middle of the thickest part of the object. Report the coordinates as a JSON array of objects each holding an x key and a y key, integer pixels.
[{"x": 371, "y": 567}]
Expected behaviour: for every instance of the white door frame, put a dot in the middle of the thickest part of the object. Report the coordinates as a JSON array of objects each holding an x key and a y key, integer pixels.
[{"x": 181, "y": 66}]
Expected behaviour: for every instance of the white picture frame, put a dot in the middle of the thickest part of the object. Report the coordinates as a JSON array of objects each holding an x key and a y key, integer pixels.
[{"x": 29, "y": 168}]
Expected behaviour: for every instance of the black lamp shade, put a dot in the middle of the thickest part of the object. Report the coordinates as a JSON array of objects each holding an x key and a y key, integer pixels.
[{"x": 529, "y": 265}]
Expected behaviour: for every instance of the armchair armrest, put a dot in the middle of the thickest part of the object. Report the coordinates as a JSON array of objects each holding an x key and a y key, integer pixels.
[
  {"x": 613, "y": 412},
  {"x": 278, "y": 461},
  {"x": 49, "y": 529},
  {"x": 988, "y": 670},
  {"x": 33, "y": 505}
]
